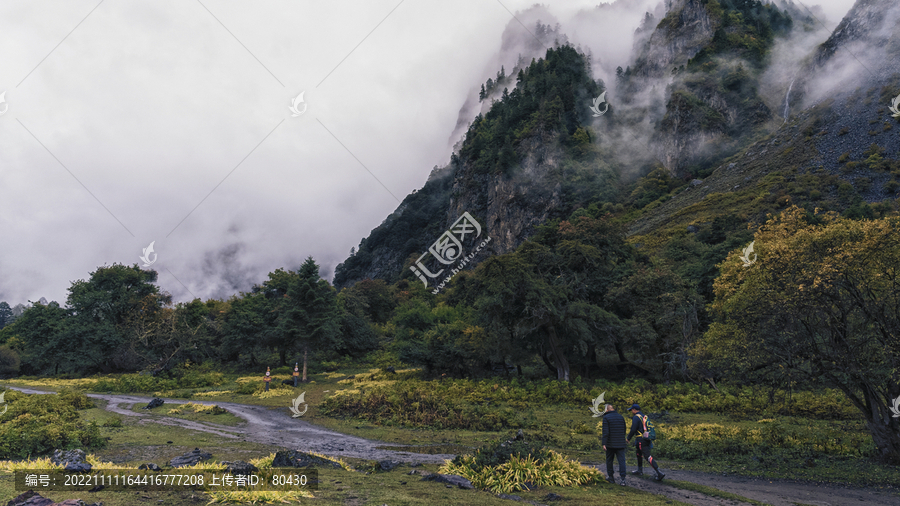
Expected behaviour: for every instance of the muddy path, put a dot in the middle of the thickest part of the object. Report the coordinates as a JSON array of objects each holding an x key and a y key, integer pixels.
[
  {"x": 271, "y": 426},
  {"x": 768, "y": 491}
]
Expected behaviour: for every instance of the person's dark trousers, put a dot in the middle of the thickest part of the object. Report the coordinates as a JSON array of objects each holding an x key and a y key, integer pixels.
[
  {"x": 619, "y": 454},
  {"x": 643, "y": 452}
]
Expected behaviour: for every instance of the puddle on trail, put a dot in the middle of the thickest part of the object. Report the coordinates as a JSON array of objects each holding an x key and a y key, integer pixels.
[{"x": 429, "y": 449}]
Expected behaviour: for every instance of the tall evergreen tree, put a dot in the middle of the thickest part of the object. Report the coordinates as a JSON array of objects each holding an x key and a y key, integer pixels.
[
  {"x": 309, "y": 317},
  {"x": 6, "y": 314}
]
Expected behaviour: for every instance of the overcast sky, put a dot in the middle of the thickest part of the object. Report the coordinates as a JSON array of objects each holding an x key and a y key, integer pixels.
[{"x": 130, "y": 122}]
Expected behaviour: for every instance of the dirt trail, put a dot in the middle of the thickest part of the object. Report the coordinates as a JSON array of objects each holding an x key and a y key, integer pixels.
[
  {"x": 273, "y": 426},
  {"x": 774, "y": 492}
]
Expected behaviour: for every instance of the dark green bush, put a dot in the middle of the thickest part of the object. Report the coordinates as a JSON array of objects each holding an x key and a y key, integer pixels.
[
  {"x": 134, "y": 383},
  {"x": 495, "y": 453}
]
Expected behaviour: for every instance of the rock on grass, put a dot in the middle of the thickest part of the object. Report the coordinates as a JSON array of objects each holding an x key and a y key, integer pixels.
[
  {"x": 190, "y": 458},
  {"x": 300, "y": 459}
]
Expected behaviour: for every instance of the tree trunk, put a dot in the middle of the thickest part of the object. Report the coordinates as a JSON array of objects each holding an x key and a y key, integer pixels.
[
  {"x": 547, "y": 362},
  {"x": 885, "y": 429},
  {"x": 281, "y": 356},
  {"x": 305, "y": 349},
  {"x": 621, "y": 353},
  {"x": 559, "y": 359},
  {"x": 887, "y": 440}
]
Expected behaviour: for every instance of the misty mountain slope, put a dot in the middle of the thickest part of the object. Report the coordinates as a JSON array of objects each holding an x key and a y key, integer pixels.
[
  {"x": 537, "y": 155},
  {"x": 839, "y": 154},
  {"x": 704, "y": 61},
  {"x": 529, "y": 159}
]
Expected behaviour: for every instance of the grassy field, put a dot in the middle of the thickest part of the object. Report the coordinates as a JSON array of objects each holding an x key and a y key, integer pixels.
[
  {"x": 771, "y": 444},
  {"x": 132, "y": 444},
  {"x": 397, "y": 488}
]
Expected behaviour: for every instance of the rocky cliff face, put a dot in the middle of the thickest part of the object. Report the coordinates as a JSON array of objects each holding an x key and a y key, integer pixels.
[
  {"x": 507, "y": 175},
  {"x": 871, "y": 22},
  {"x": 862, "y": 50},
  {"x": 703, "y": 61},
  {"x": 680, "y": 35},
  {"x": 512, "y": 206}
]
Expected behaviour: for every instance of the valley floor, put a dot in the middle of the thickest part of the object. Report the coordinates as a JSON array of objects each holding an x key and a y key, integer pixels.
[{"x": 275, "y": 428}]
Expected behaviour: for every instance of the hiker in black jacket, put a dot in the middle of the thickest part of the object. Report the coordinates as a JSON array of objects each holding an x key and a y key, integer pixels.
[
  {"x": 614, "y": 442},
  {"x": 643, "y": 444}
]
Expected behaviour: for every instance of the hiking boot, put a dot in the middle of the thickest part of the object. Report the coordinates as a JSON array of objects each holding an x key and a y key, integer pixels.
[
  {"x": 660, "y": 475},
  {"x": 638, "y": 472},
  {"x": 611, "y": 481},
  {"x": 622, "y": 482}
]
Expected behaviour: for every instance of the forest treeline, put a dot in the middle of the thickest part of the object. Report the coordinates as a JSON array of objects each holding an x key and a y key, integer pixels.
[{"x": 820, "y": 304}]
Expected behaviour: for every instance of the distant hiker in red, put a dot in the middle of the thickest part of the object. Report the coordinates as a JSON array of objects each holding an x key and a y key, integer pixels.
[
  {"x": 296, "y": 373},
  {"x": 268, "y": 378},
  {"x": 643, "y": 442}
]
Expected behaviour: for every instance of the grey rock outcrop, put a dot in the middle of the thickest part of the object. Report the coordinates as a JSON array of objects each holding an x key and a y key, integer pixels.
[
  {"x": 300, "y": 459},
  {"x": 450, "y": 479},
  {"x": 190, "y": 458},
  {"x": 71, "y": 460},
  {"x": 240, "y": 467}
]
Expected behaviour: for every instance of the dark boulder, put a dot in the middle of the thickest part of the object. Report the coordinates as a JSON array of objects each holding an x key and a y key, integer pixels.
[
  {"x": 21, "y": 498},
  {"x": 32, "y": 500},
  {"x": 240, "y": 467},
  {"x": 78, "y": 467},
  {"x": 154, "y": 403},
  {"x": 387, "y": 465},
  {"x": 190, "y": 458},
  {"x": 150, "y": 466},
  {"x": 450, "y": 479},
  {"x": 288, "y": 382},
  {"x": 300, "y": 459}
]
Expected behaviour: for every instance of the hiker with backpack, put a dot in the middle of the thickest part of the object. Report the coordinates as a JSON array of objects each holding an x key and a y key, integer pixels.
[
  {"x": 614, "y": 442},
  {"x": 642, "y": 427}
]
